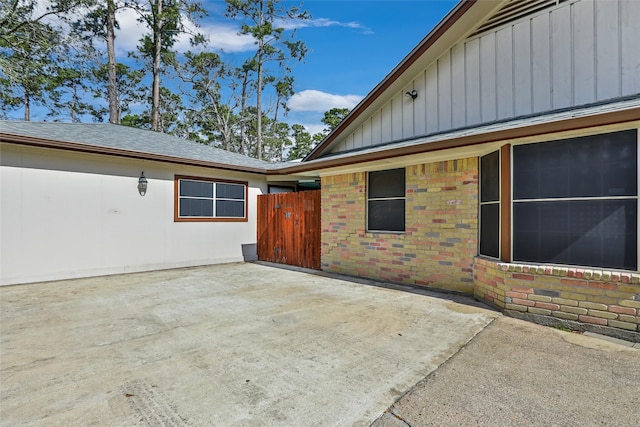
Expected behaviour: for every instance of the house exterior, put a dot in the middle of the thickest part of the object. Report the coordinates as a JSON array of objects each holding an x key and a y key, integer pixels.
[
  {"x": 70, "y": 205},
  {"x": 499, "y": 158}
]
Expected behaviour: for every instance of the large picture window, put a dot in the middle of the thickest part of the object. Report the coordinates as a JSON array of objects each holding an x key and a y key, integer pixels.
[
  {"x": 203, "y": 199},
  {"x": 386, "y": 201},
  {"x": 575, "y": 201}
]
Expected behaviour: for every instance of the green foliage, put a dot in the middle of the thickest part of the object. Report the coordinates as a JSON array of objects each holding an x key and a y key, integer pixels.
[
  {"x": 333, "y": 117},
  {"x": 260, "y": 19},
  {"x": 214, "y": 116},
  {"x": 20, "y": 17},
  {"x": 28, "y": 62},
  {"x": 165, "y": 21},
  {"x": 129, "y": 89},
  {"x": 63, "y": 70},
  {"x": 302, "y": 142}
]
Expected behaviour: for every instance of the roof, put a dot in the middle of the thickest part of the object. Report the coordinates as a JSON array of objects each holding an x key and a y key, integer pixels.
[
  {"x": 598, "y": 114},
  {"x": 119, "y": 140},
  {"x": 130, "y": 142}
]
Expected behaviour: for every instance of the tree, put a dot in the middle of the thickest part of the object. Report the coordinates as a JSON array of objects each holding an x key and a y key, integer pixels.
[
  {"x": 302, "y": 142},
  {"x": 260, "y": 20},
  {"x": 29, "y": 46},
  {"x": 68, "y": 89},
  {"x": 166, "y": 20},
  {"x": 333, "y": 117},
  {"x": 99, "y": 22},
  {"x": 277, "y": 140},
  {"x": 19, "y": 17},
  {"x": 28, "y": 59},
  {"x": 243, "y": 74},
  {"x": 211, "y": 111},
  {"x": 170, "y": 110},
  {"x": 127, "y": 89},
  {"x": 112, "y": 67}
]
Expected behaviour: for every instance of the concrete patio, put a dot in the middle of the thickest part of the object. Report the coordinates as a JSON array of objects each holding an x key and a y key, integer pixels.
[{"x": 235, "y": 344}]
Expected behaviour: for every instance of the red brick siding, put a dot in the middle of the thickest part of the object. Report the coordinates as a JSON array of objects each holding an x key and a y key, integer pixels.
[{"x": 586, "y": 295}]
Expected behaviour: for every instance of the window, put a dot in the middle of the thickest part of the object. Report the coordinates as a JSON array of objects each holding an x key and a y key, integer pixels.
[
  {"x": 575, "y": 201},
  {"x": 490, "y": 205},
  {"x": 203, "y": 199},
  {"x": 386, "y": 201}
]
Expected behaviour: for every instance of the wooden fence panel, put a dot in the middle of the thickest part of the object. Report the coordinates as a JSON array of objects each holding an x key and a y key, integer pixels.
[{"x": 289, "y": 228}]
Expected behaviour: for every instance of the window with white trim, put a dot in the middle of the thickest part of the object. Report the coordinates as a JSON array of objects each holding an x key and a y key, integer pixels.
[
  {"x": 386, "y": 201},
  {"x": 204, "y": 199}
]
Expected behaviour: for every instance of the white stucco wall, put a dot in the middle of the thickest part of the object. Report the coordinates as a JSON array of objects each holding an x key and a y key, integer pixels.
[{"x": 66, "y": 215}]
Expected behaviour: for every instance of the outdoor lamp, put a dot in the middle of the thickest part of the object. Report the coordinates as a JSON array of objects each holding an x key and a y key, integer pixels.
[
  {"x": 142, "y": 185},
  {"x": 413, "y": 94}
]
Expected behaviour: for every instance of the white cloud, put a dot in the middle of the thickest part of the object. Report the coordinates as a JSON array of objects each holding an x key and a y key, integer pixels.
[
  {"x": 226, "y": 37},
  {"x": 130, "y": 32},
  {"x": 220, "y": 36},
  {"x": 315, "y": 100},
  {"x": 322, "y": 22},
  {"x": 314, "y": 128}
]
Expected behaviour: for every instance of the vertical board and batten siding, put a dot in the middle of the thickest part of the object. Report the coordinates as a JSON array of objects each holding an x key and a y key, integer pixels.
[{"x": 573, "y": 54}]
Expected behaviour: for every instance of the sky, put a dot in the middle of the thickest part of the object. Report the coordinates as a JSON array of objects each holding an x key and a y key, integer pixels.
[{"x": 352, "y": 45}]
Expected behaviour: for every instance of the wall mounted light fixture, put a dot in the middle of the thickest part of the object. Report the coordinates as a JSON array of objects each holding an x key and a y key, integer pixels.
[
  {"x": 142, "y": 184},
  {"x": 413, "y": 94}
]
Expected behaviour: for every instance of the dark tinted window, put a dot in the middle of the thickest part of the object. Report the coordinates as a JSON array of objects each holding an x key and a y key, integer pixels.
[
  {"x": 489, "y": 226},
  {"x": 386, "y": 215},
  {"x": 592, "y": 166},
  {"x": 197, "y": 199},
  {"x": 490, "y": 177},
  {"x": 597, "y": 233},
  {"x": 490, "y": 230},
  {"x": 229, "y": 191},
  {"x": 386, "y": 200},
  {"x": 196, "y": 188},
  {"x": 230, "y": 208},
  {"x": 196, "y": 207},
  {"x": 389, "y": 183}
]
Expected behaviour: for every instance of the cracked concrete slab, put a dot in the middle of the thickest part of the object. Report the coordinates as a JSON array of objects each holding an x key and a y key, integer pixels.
[
  {"x": 516, "y": 373},
  {"x": 235, "y": 344}
]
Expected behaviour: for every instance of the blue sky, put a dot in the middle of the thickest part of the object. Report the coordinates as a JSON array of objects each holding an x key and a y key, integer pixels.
[
  {"x": 368, "y": 39},
  {"x": 352, "y": 44}
]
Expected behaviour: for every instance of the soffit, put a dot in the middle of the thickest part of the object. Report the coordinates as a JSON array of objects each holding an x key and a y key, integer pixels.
[{"x": 474, "y": 141}]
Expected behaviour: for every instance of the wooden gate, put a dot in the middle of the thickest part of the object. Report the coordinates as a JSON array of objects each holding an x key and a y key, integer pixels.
[{"x": 289, "y": 228}]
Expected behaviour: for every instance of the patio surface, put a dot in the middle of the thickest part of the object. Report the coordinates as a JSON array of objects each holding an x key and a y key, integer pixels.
[{"x": 235, "y": 344}]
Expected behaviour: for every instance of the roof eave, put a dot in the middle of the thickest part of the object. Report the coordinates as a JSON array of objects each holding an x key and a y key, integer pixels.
[
  {"x": 93, "y": 149},
  {"x": 589, "y": 121}
]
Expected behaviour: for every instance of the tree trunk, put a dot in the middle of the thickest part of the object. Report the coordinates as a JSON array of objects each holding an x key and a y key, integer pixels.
[
  {"x": 259, "y": 88},
  {"x": 27, "y": 107},
  {"x": 74, "y": 104},
  {"x": 259, "y": 107},
  {"x": 112, "y": 90},
  {"x": 243, "y": 101},
  {"x": 157, "y": 39}
]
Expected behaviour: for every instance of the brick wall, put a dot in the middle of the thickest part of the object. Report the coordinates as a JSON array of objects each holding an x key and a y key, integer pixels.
[
  {"x": 590, "y": 296},
  {"x": 440, "y": 242}
]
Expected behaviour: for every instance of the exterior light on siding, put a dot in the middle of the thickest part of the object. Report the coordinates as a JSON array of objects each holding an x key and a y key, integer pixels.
[
  {"x": 142, "y": 184},
  {"x": 413, "y": 94}
]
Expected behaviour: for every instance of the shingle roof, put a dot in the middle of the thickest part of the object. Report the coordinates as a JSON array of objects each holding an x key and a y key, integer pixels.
[{"x": 124, "y": 139}]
